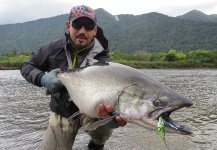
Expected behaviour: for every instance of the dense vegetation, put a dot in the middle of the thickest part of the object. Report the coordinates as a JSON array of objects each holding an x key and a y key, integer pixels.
[
  {"x": 150, "y": 40},
  {"x": 152, "y": 32},
  {"x": 13, "y": 60},
  {"x": 171, "y": 59}
]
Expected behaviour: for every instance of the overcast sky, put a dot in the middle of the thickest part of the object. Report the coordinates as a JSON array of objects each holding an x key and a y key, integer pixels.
[{"x": 19, "y": 11}]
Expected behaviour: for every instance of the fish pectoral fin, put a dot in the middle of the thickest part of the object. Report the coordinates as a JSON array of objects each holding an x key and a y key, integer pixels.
[
  {"x": 102, "y": 121},
  {"x": 74, "y": 115},
  {"x": 96, "y": 124}
]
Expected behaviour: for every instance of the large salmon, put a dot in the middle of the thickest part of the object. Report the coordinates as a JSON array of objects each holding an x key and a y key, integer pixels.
[{"x": 138, "y": 98}]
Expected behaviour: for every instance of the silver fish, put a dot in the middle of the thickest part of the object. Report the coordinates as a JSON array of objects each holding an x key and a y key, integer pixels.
[{"x": 138, "y": 98}]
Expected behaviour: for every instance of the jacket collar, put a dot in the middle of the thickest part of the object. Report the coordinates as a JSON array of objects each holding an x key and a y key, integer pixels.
[{"x": 72, "y": 46}]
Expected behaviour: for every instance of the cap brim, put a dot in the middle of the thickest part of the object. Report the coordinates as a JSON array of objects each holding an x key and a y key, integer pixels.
[{"x": 73, "y": 19}]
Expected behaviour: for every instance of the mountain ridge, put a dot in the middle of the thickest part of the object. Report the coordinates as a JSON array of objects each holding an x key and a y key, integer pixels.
[{"x": 151, "y": 32}]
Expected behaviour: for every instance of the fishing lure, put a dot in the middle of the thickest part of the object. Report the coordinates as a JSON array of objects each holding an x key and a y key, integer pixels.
[{"x": 161, "y": 130}]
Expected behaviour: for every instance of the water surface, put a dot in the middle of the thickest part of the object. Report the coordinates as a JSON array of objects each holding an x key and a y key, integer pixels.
[{"x": 24, "y": 114}]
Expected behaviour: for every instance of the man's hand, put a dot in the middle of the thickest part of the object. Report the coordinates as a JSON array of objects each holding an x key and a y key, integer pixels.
[
  {"x": 103, "y": 111},
  {"x": 50, "y": 81}
]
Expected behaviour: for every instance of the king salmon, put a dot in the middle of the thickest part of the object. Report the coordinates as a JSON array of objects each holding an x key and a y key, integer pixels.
[{"x": 138, "y": 98}]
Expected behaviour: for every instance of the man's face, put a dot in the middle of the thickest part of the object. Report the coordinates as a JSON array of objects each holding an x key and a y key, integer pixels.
[{"x": 82, "y": 31}]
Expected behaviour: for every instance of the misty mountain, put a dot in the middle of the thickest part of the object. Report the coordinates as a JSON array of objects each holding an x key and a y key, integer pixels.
[{"x": 152, "y": 32}]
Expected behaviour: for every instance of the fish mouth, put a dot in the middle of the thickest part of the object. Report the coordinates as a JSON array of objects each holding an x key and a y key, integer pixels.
[{"x": 169, "y": 124}]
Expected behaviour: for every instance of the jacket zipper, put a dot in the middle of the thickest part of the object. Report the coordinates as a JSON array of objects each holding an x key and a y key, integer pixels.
[{"x": 75, "y": 57}]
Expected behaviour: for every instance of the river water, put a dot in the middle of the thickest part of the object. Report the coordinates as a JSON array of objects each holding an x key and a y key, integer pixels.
[{"x": 24, "y": 114}]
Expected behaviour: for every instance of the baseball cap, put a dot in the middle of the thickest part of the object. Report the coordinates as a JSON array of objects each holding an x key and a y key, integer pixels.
[{"x": 82, "y": 11}]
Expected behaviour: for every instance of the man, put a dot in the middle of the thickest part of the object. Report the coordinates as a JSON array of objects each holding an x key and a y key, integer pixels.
[{"x": 84, "y": 44}]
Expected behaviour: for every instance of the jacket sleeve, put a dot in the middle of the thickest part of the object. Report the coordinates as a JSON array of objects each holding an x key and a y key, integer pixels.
[{"x": 34, "y": 68}]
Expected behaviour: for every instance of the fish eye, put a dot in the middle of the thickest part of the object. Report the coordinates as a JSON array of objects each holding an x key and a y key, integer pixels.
[{"x": 157, "y": 102}]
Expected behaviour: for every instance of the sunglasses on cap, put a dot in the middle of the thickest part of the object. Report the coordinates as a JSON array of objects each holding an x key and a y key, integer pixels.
[{"x": 89, "y": 26}]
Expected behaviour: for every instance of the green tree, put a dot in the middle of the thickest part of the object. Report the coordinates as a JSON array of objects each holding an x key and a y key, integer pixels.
[
  {"x": 118, "y": 55},
  {"x": 171, "y": 56},
  {"x": 157, "y": 56},
  {"x": 203, "y": 56}
]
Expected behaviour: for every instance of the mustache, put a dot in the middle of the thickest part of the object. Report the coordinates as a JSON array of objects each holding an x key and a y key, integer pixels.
[{"x": 81, "y": 36}]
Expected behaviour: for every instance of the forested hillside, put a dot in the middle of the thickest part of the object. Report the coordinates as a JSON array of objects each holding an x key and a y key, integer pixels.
[{"x": 152, "y": 32}]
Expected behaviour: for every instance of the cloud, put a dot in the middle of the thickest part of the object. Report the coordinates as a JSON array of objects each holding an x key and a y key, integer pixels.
[{"x": 23, "y": 10}]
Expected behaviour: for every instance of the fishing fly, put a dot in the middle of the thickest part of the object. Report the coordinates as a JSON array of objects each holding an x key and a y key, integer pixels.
[{"x": 161, "y": 130}]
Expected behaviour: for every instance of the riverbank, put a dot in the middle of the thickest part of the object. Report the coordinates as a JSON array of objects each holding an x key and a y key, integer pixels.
[
  {"x": 187, "y": 64},
  {"x": 8, "y": 68},
  {"x": 140, "y": 60}
]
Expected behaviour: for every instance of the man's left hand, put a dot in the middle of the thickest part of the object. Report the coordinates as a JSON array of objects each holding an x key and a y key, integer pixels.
[{"x": 103, "y": 111}]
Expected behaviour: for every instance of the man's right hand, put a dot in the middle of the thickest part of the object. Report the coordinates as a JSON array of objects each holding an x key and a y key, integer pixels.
[
  {"x": 50, "y": 81},
  {"x": 103, "y": 111}
]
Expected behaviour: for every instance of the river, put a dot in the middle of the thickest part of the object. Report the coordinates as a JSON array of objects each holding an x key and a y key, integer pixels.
[{"x": 24, "y": 114}]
